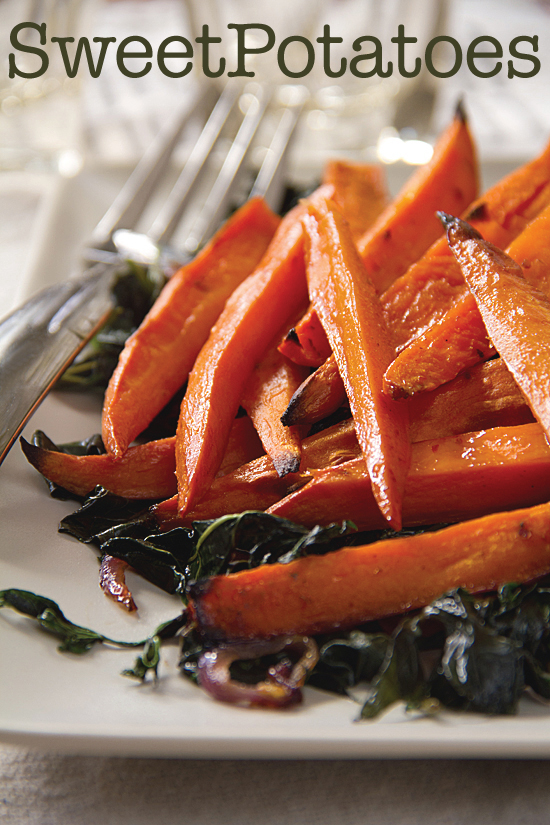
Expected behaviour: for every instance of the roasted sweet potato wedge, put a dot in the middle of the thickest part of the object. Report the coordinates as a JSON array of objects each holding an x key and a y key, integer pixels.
[
  {"x": 450, "y": 479},
  {"x": 157, "y": 358},
  {"x": 515, "y": 313},
  {"x": 349, "y": 309},
  {"x": 359, "y": 192},
  {"x": 251, "y": 317},
  {"x": 407, "y": 228},
  {"x": 319, "y": 594},
  {"x": 423, "y": 295},
  {"x": 146, "y": 471},
  {"x": 257, "y": 485},
  {"x": 459, "y": 339}
]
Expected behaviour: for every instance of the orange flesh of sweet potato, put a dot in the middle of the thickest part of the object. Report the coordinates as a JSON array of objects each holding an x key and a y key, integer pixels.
[
  {"x": 157, "y": 358},
  {"x": 349, "y": 309},
  {"x": 250, "y": 319},
  {"x": 450, "y": 479},
  {"x": 319, "y": 594},
  {"x": 408, "y": 226},
  {"x": 422, "y": 296},
  {"x": 459, "y": 339},
  {"x": 146, "y": 471},
  {"x": 257, "y": 486},
  {"x": 271, "y": 385},
  {"x": 306, "y": 343},
  {"x": 359, "y": 192},
  {"x": 321, "y": 394},
  {"x": 485, "y": 396},
  {"x": 516, "y": 314},
  {"x": 244, "y": 445},
  {"x": 360, "y": 195}
]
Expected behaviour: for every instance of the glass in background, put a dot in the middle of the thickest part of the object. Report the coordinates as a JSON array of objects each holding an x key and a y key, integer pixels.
[
  {"x": 39, "y": 117},
  {"x": 345, "y": 115}
]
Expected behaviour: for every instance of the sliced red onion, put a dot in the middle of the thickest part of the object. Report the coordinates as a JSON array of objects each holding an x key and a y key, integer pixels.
[
  {"x": 280, "y": 688},
  {"x": 113, "y": 582}
]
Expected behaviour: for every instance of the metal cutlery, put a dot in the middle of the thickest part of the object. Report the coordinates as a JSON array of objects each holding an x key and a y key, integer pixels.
[{"x": 41, "y": 338}]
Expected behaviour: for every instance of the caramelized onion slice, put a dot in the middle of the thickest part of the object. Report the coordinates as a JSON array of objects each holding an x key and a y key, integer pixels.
[
  {"x": 280, "y": 688},
  {"x": 113, "y": 583}
]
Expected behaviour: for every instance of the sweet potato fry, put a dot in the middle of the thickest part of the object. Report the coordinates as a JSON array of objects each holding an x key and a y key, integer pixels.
[
  {"x": 157, "y": 358},
  {"x": 321, "y": 394},
  {"x": 485, "y": 396},
  {"x": 459, "y": 339},
  {"x": 257, "y": 486},
  {"x": 244, "y": 445},
  {"x": 143, "y": 472},
  {"x": 422, "y": 296},
  {"x": 252, "y": 316},
  {"x": 146, "y": 471},
  {"x": 450, "y": 479},
  {"x": 318, "y": 594},
  {"x": 270, "y": 387},
  {"x": 408, "y": 226},
  {"x": 349, "y": 309},
  {"x": 306, "y": 343},
  {"x": 360, "y": 194},
  {"x": 515, "y": 313}
]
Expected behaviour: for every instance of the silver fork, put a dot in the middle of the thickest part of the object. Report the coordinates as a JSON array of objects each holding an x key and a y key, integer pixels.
[{"x": 40, "y": 339}]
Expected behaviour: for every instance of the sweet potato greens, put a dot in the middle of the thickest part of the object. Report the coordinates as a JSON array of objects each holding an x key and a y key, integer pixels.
[{"x": 354, "y": 401}]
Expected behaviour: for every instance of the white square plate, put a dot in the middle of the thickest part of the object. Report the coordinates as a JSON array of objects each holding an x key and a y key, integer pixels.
[{"x": 83, "y": 704}]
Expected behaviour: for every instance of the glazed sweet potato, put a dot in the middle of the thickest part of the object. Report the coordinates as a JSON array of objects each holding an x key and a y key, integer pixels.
[
  {"x": 157, "y": 358},
  {"x": 271, "y": 385},
  {"x": 459, "y": 339},
  {"x": 349, "y": 309},
  {"x": 146, "y": 471},
  {"x": 408, "y": 226},
  {"x": 306, "y": 343},
  {"x": 250, "y": 319},
  {"x": 359, "y": 192},
  {"x": 450, "y": 479},
  {"x": 321, "y": 394},
  {"x": 256, "y": 485},
  {"x": 423, "y": 295},
  {"x": 484, "y": 396},
  {"x": 319, "y": 594},
  {"x": 515, "y": 313}
]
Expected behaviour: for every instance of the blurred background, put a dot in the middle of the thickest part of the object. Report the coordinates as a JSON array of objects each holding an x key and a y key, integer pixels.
[{"x": 66, "y": 145}]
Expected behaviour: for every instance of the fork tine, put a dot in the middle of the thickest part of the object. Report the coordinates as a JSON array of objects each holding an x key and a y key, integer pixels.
[
  {"x": 269, "y": 181},
  {"x": 47, "y": 346},
  {"x": 170, "y": 214},
  {"x": 132, "y": 200},
  {"x": 216, "y": 202}
]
